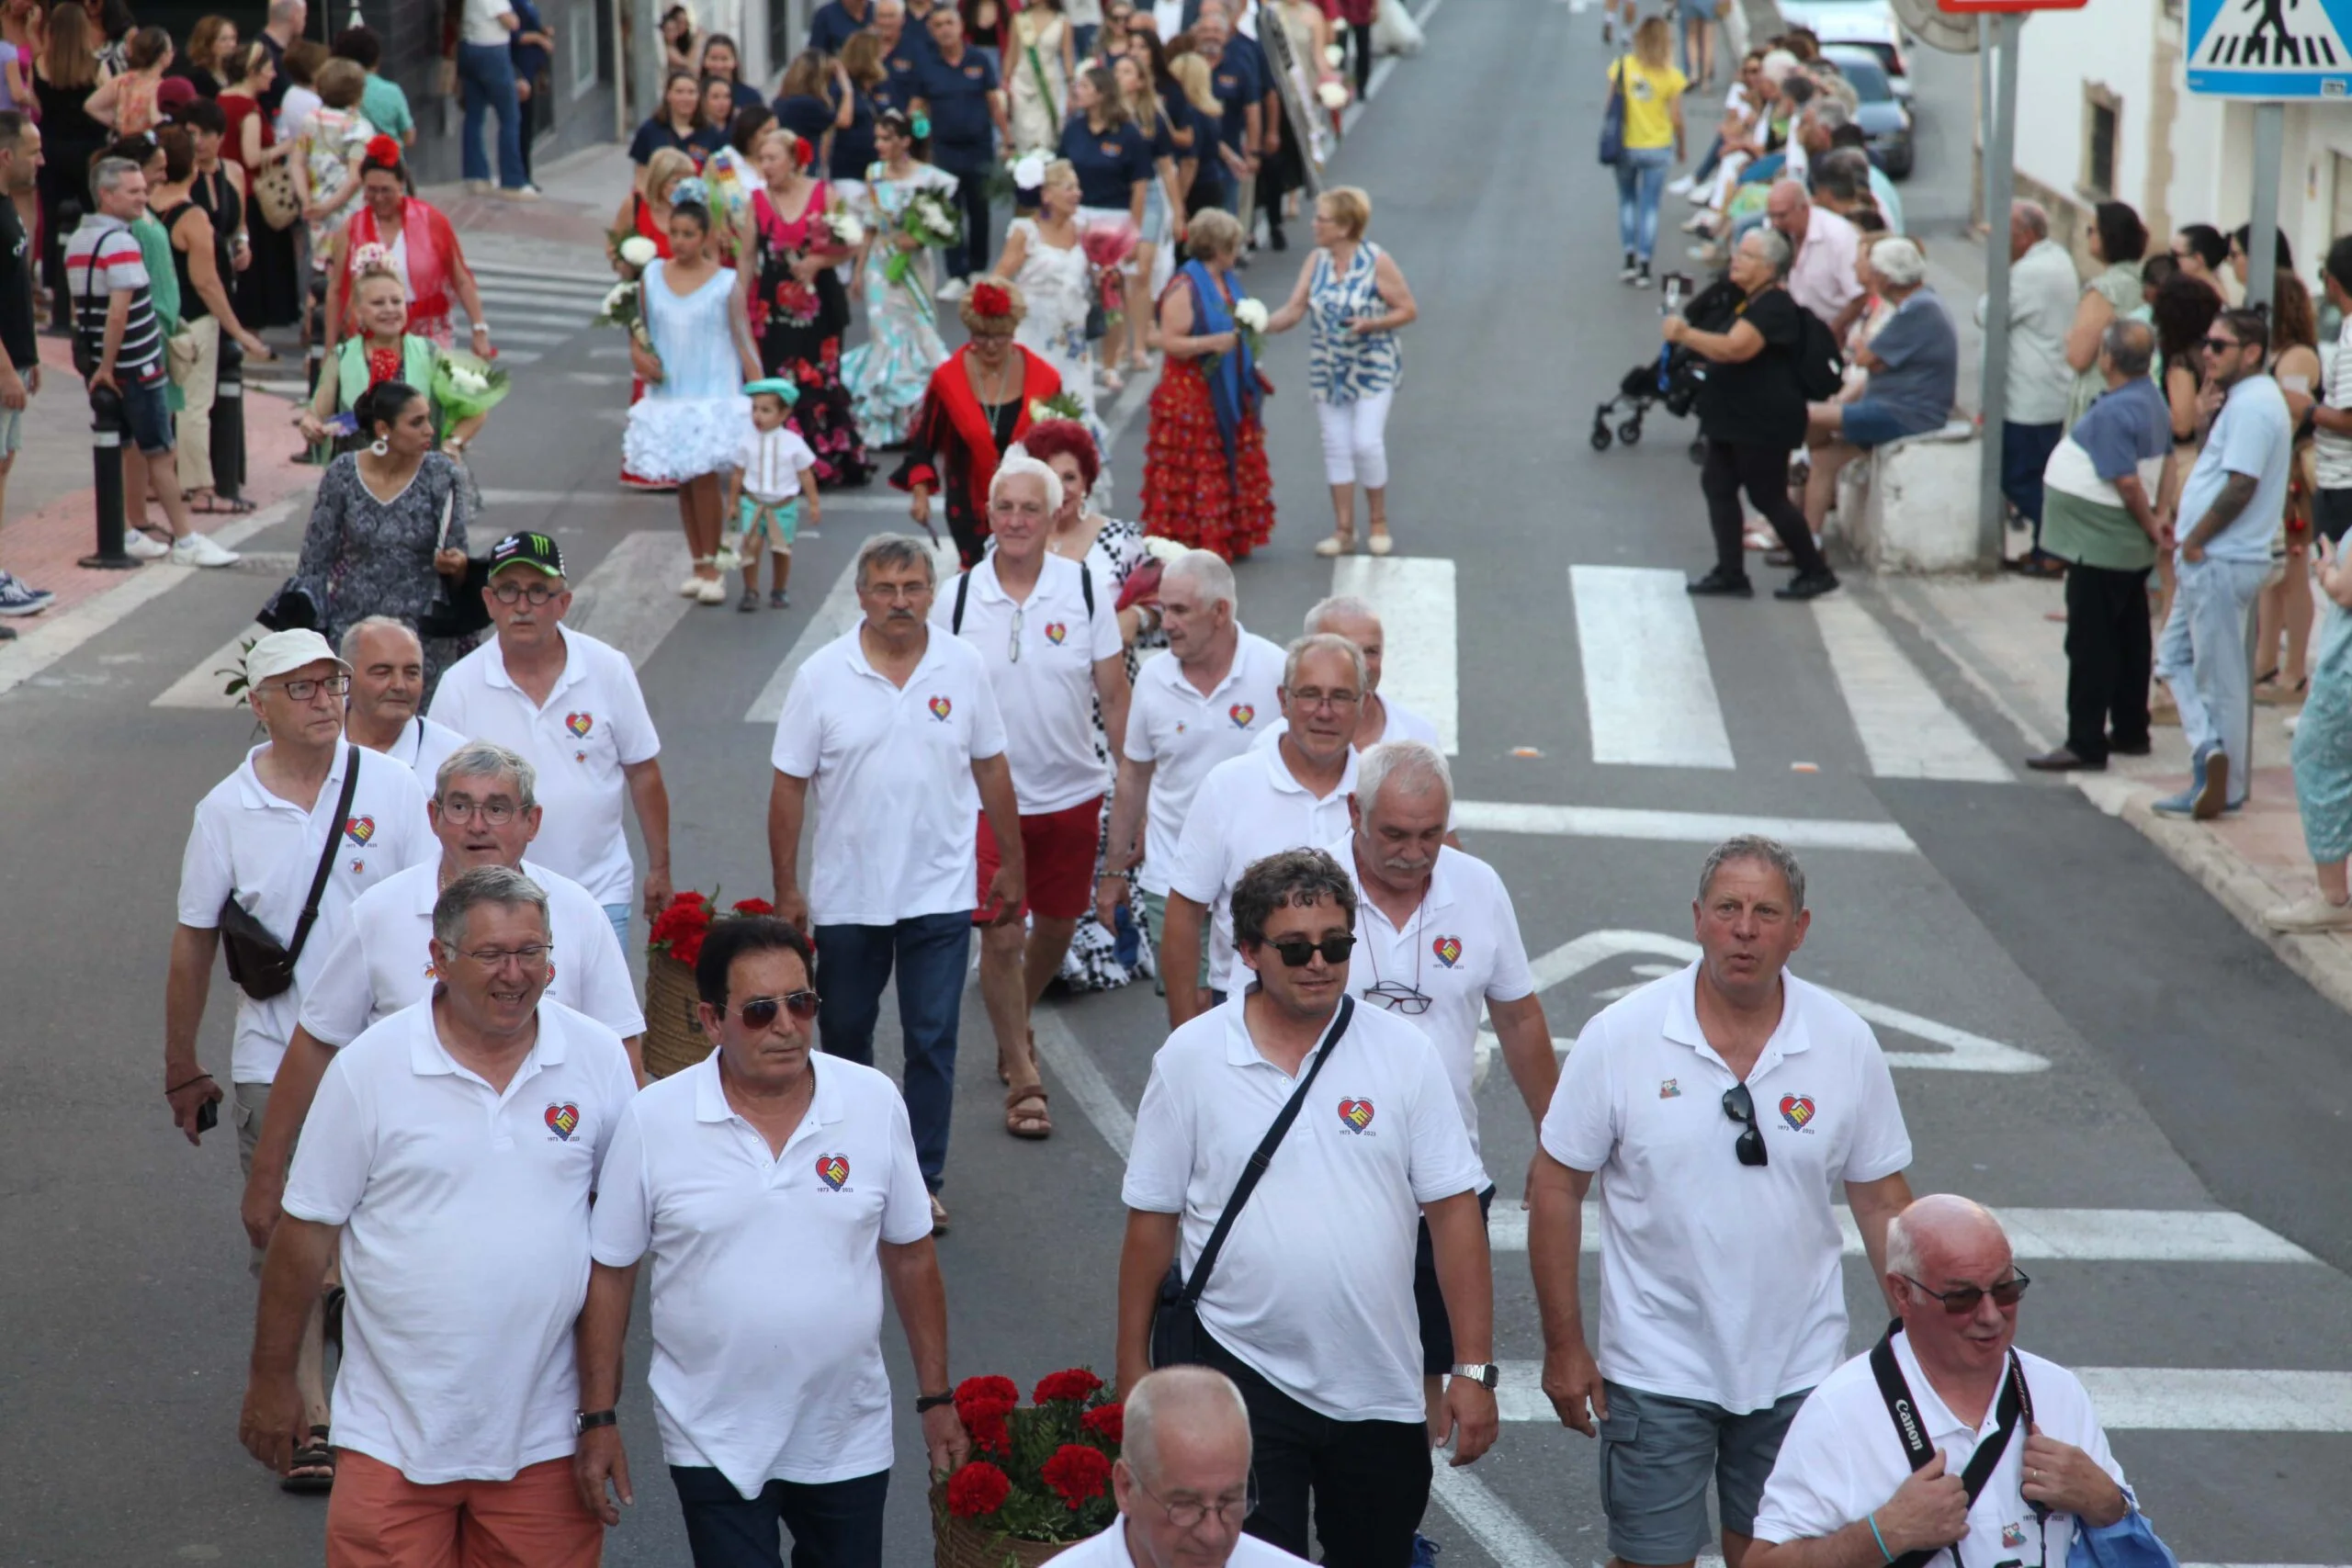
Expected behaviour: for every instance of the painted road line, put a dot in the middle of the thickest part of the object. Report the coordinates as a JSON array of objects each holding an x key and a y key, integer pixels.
[
  {"x": 1677, "y": 827},
  {"x": 1499, "y": 1532},
  {"x": 631, "y": 599},
  {"x": 204, "y": 686},
  {"x": 542, "y": 290},
  {"x": 1413, "y": 596},
  {"x": 2065, "y": 1235},
  {"x": 505, "y": 335},
  {"x": 1907, "y": 730},
  {"x": 485, "y": 271},
  {"x": 1081, "y": 1080},
  {"x": 835, "y": 614},
  {"x": 1647, "y": 689}
]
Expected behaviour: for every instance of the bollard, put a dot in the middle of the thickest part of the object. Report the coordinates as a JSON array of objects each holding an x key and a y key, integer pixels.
[
  {"x": 106, "y": 467},
  {"x": 229, "y": 421}
]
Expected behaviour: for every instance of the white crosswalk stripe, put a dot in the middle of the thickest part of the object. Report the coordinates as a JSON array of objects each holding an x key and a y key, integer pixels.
[
  {"x": 1413, "y": 595},
  {"x": 1647, "y": 689},
  {"x": 1906, "y": 730},
  {"x": 834, "y": 615},
  {"x": 2106, "y": 1235}
]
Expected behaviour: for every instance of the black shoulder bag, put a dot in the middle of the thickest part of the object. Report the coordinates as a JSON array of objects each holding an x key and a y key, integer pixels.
[
  {"x": 2014, "y": 1410},
  {"x": 1177, "y": 1338},
  {"x": 259, "y": 965},
  {"x": 964, "y": 593}
]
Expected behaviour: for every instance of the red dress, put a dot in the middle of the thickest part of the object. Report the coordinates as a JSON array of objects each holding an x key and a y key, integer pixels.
[
  {"x": 661, "y": 238},
  {"x": 1190, "y": 493}
]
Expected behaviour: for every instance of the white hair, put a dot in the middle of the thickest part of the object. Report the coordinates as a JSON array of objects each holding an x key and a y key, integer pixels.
[
  {"x": 1898, "y": 263},
  {"x": 1903, "y": 1231},
  {"x": 1415, "y": 765},
  {"x": 349, "y": 646},
  {"x": 1777, "y": 64},
  {"x": 1340, "y": 608},
  {"x": 1018, "y": 462},
  {"x": 489, "y": 760},
  {"x": 1206, "y": 570},
  {"x": 1173, "y": 1395},
  {"x": 1324, "y": 642}
]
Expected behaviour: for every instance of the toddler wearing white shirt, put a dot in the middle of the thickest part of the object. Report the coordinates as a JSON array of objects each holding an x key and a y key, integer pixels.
[{"x": 774, "y": 478}]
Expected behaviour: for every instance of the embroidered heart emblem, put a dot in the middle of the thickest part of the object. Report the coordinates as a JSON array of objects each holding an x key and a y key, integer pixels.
[
  {"x": 941, "y": 708},
  {"x": 580, "y": 724},
  {"x": 1356, "y": 1114},
  {"x": 1448, "y": 950},
  {"x": 833, "y": 1170},
  {"x": 361, "y": 828},
  {"x": 1242, "y": 713},
  {"x": 1055, "y": 632},
  {"x": 564, "y": 1120},
  {"x": 1796, "y": 1110}
]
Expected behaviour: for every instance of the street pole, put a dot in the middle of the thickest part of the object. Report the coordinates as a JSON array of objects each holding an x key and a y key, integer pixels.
[
  {"x": 1984, "y": 110},
  {"x": 2262, "y": 239},
  {"x": 106, "y": 479},
  {"x": 2000, "y": 183}
]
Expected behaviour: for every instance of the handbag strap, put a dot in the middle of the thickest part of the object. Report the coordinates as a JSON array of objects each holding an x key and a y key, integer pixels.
[
  {"x": 326, "y": 856},
  {"x": 1264, "y": 1155},
  {"x": 2014, "y": 1408}
]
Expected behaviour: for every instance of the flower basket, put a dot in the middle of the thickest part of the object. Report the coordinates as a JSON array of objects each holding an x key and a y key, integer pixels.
[
  {"x": 961, "y": 1543},
  {"x": 1039, "y": 1478},
  {"x": 673, "y": 1036}
]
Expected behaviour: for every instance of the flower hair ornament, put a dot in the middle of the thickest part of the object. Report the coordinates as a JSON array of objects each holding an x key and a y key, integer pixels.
[
  {"x": 802, "y": 153},
  {"x": 383, "y": 152},
  {"x": 1029, "y": 173},
  {"x": 693, "y": 188},
  {"x": 989, "y": 302},
  {"x": 370, "y": 257}
]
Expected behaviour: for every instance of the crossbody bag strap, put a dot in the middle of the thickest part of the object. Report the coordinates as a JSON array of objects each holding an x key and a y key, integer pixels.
[
  {"x": 326, "y": 856},
  {"x": 963, "y": 591},
  {"x": 1264, "y": 1155},
  {"x": 2014, "y": 1408}
]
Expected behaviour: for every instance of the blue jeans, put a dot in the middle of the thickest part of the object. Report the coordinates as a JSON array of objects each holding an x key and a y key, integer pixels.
[
  {"x": 2201, "y": 658},
  {"x": 930, "y": 951},
  {"x": 2025, "y": 452},
  {"x": 618, "y": 914},
  {"x": 834, "y": 1524},
  {"x": 1641, "y": 181},
  {"x": 1707, "y": 165},
  {"x": 486, "y": 70}
]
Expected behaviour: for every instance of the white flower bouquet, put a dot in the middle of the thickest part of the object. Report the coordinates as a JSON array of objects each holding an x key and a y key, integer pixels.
[{"x": 465, "y": 385}]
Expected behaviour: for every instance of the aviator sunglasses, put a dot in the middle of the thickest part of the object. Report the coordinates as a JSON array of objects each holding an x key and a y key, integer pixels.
[{"x": 760, "y": 1011}]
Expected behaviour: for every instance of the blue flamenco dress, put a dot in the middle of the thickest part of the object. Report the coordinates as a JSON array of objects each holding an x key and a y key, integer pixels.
[{"x": 693, "y": 421}]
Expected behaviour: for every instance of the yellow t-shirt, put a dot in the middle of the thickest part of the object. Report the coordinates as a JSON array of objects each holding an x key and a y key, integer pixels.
[{"x": 1649, "y": 97}]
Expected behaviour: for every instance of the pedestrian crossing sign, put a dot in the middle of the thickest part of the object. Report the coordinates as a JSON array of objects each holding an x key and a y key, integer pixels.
[{"x": 2269, "y": 48}]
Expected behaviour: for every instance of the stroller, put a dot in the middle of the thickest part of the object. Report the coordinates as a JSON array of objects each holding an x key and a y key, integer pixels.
[{"x": 1673, "y": 378}]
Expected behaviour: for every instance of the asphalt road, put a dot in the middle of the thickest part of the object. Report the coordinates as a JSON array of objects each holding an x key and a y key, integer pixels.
[{"x": 2084, "y": 1040}]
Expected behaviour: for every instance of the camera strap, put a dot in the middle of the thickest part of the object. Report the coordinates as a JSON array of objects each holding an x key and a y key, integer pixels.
[{"x": 2013, "y": 1409}]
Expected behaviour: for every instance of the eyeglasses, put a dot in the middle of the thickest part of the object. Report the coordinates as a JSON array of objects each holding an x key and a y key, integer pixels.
[
  {"x": 2221, "y": 345},
  {"x": 1740, "y": 1106},
  {"x": 1397, "y": 998},
  {"x": 1012, "y": 653},
  {"x": 760, "y": 1011},
  {"x": 1186, "y": 1512},
  {"x": 1962, "y": 1302},
  {"x": 303, "y": 690},
  {"x": 497, "y": 811},
  {"x": 1311, "y": 699},
  {"x": 498, "y": 957},
  {"x": 509, "y": 592},
  {"x": 1298, "y": 952}
]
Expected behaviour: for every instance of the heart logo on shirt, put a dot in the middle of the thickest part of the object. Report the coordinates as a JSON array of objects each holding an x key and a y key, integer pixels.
[
  {"x": 360, "y": 829},
  {"x": 564, "y": 1120},
  {"x": 941, "y": 708},
  {"x": 1448, "y": 950},
  {"x": 580, "y": 724},
  {"x": 1355, "y": 1114},
  {"x": 1055, "y": 632},
  {"x": 833, "y": 1170},
  {"x": 1796, "y": 1110},
  {"x": 1241, "y": 714}
]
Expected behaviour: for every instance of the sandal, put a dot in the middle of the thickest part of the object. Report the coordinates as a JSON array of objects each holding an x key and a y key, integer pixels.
[
  {"x": 1339, "y": 544},
  {"x": 1380, "y": 543},
  {"x": 214, "y": 504},
  {"x": 1023, "y": 1121},
  {"x": 314, "y": 1469}
]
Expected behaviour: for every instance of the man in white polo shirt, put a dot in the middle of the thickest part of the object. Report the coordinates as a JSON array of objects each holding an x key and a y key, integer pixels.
[
  {"x": 456, "y": 1146},
  {"x": 387, "y": 689},
  {"x": 1050, "y": 636},
  {"x": 484, "y": 813},
  {"x": 572, "y": 705},
  {"x": 1308, "y": 1307},
  {"x": 1855, "y": 1485},
  {"x": 896, "y": 730},
  {"x": 1218, "y": 689},
  {"x": 778, "y": 1195},
  {"x": 1377, "y": 718},
  {"x": 1287, "y": 793},
  {"x": 1723, "y": 1102}
]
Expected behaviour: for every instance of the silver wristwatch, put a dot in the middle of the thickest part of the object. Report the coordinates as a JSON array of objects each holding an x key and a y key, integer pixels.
[{"x": 1486, "y": 1374}]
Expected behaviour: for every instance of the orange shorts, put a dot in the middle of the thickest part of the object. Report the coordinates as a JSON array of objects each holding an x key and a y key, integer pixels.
[
  {"x": 1058, "y": 856},
  {"x": 379, "y": 1518}
]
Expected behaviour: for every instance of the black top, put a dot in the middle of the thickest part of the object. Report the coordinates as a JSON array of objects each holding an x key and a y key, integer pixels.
[
  {"x": 17, "y": 292},
  {"x": 274, "y": 96},
  {"x": 220, "y": 203},
  {"x": 1758, "y": 400},
  {"x": 68, "y": 136},
  {"x": 192, "y": 305}
]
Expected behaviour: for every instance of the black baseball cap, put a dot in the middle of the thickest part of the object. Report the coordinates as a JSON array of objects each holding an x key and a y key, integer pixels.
[{"x": 536, "y": 550}]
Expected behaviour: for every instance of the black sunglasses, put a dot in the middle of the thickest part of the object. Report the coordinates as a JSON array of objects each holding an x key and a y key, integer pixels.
[
  {"x": 2221, "y": 345},
  {"x": 1740, "y": 1106},
  {"x": 1962, "y": 1302},
  {"x": 1297, "y": 951},
  {"x": 760, "y": 1011}
]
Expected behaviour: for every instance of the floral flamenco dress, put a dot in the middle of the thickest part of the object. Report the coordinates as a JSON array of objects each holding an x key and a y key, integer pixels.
[
  {"x": 1205, "y": 482},
  {"x": 650, "y": 229},
  {"x": 691, "y": 422},
  {"x": 799, "y": 327},
  {"x": 888, "y": 373}
]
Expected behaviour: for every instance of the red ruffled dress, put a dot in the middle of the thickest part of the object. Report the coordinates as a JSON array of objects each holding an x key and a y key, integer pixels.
[{"x": 1190, "y": 493}]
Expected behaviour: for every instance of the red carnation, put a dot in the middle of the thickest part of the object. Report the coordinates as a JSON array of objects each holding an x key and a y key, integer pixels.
[
  {"x": 989, "y": 302},
  {"x": 1108, "y": 1422},
  {"x": 383, "y": 152},
  {"x": 989, "y": 1388},
  {"x": 982, "y": 1405},
  {"x": 753, "y": 906},
  {"x": 1078, "y": 1473},
  {"x": 979, "y": 1488},
  {"x": 1076, "y": 1384}
]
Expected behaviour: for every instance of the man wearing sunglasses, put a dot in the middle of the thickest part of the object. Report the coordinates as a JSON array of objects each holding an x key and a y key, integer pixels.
[
  {"x": 777, "y": 1198},
  {"x": 1309, "y": 1308},
  {"x": 2229, "y": 508},
  {"x": 1726, "y": 1102},
  {"x": 1849, "y": 1490}
]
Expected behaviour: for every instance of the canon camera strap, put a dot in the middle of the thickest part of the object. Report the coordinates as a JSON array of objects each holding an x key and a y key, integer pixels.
[{"x": 2014, "y": 1408}]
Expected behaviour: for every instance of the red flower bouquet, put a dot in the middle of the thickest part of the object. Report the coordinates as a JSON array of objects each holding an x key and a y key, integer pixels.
[
  {"x": 673, "y": 1036},
  {"x": 797, "y": 302},
  {"x": 1040, "y": 1477},
  {"x": 1108, "y": 244}
]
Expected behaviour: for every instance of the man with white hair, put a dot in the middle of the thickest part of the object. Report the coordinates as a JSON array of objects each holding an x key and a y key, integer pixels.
[
  {"x": 1049, "y": 635},
  {"x": 1290, "y": 794},
  {"x": 1945, "y": 1435},
  {"x": 1914, "y": 365},
  {"x": 1182, "y": 1480},
  {"x": 1377, "y": 718},
  {"x": 900, "y": 47},
  {"x": 387, "y": 691},
  {"x": 1218, "y": 690},
  {"x": 2043, "y": 290},
  {"x": 1822, "y": 248}
]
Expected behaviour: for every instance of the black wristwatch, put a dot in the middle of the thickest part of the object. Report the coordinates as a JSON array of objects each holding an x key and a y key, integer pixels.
[
  {"x": 925, "y": 1403},
  {"x": 587, "y": 1420}
]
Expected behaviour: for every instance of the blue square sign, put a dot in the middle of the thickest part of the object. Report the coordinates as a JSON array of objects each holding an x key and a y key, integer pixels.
[{"x": 2269, "y": 48}]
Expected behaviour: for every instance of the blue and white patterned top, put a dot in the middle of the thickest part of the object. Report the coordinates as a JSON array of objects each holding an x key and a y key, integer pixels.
[{"x": 1345, "y": 365}]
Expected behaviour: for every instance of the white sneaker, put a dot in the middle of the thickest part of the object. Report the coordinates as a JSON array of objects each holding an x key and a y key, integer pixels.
[
  {"x": 712, "y": 591},
  {"x": 480, "y": 188},
  {"x": 195, "y": 549},
  {"x": 690, "y": 588},
  {"x": 2311, "y": 912},
  {"x": 1681, "y": 184},
  {"x": 520, "y": 193},
  {"x": 952, "y": 289},
  {"x": 139, "y": 545}
]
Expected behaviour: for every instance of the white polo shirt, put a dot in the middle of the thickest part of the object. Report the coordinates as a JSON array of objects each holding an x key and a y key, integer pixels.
[
  {"x": 1249, "y": 807},
  {"x": 1721, "y": 1281},
  {"x": 891, "y": 776},
  {"x": 1402, "y": 724},
  {"x": 1841, "y": 1459},
  {"x": 1184, "y": 734},
  {"x": 593, "y": 725},
  {"x": 1314, "y": 1290},
  {"x": 465, "y": 1239},
  {"x": 767, "y": 1274},
  {"x": 1046, "y": 691},
  {"x": 1461, "y": 949},
  {"x": 384, "y": 960},
  {"x": 1109, "y": 1549},
  {"x": 423, "y": 746},
  {"x": 267, "y": 849}
]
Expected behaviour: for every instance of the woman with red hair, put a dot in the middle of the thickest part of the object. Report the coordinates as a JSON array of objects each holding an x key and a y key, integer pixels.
[
  {"x": 414, "y": 242},
  {"x": 978, "y": 406},
  {"x": 793, "y": 295}
]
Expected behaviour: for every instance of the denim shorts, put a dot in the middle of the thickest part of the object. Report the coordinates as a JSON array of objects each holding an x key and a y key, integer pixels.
[
  {"x": 146, "y": 417},
  {"x": 1867, "y": 422},
  {"x": 1657, "y": 1452},
  {"x": 12, "y": 432}
]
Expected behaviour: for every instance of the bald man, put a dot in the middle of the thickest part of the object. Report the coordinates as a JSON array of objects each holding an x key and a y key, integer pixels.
[
  {"x": 1181, "y": 1481},
  {"x": 1944, "y": 1435}
]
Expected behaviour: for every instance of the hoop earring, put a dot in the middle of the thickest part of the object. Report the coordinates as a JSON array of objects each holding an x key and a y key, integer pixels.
[{"x": 380, "y": 446}]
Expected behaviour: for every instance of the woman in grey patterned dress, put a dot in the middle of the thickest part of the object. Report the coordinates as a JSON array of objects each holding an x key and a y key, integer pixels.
[{"x": 375, "y": 545}]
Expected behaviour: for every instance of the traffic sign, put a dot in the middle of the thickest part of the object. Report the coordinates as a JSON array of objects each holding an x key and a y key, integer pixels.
[{"x": 2269, "y": 48}]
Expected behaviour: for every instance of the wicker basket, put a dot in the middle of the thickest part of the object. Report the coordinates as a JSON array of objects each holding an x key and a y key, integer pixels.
[
  {"x": 960, "y": 1544},
  {"x": 673, "y": 1036}
]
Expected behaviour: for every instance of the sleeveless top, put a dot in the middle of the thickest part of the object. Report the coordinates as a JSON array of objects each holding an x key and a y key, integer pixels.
[
  {"x": 692, "y": 335},
  {"x": 221, "y": 202},
  {"x": 192, "y": 305},
  {"x": 1345, "y": 365}
]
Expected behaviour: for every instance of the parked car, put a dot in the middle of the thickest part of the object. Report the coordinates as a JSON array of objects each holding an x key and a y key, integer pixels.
[
  {"x": 1863, "y": 23},
  {"x": 1885, "y": 121}
]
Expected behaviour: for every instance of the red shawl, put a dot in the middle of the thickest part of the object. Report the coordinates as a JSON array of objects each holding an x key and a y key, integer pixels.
[
  {"x": 432, "y": 251},
  {"x": 950, "y": 385}
]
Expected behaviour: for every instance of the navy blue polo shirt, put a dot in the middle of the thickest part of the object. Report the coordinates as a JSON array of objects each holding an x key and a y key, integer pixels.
[
  {"x": 963, "y": 132},
  {"x": 833, "y": 26},
  {"x": 853, "y": 145},
  {"x": 1108, "y": 162},
  {"x": 806, "y": 117},
  {"x": 898, "y": 89},
  {"x": 657, "y": 133},
  {"x": 1235, "y": 81}
]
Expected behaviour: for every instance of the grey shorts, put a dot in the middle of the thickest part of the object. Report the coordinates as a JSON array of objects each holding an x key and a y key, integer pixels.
[
  {"x": 1153, "y": 907},
  {"x": 1657, "y": 1453}
]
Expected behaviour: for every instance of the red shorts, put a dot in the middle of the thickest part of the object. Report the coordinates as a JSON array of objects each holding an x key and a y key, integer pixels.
[{"x": 1058, "y": 853}]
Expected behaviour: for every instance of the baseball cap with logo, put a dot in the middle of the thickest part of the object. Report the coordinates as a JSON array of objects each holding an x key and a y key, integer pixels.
[
  {"x": 280, "y": 653},
  {"x": 534, "y": 551}
]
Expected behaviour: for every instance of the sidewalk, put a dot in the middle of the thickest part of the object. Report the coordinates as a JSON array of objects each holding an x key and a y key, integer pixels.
[{"x": 564, "y": 233}]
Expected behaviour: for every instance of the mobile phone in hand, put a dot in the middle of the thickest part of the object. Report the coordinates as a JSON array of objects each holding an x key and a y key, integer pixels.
[{"x": 207, "y": 1116}]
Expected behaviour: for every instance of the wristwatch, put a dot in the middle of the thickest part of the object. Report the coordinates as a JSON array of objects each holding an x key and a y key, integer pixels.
[
  {"x": 1486, "y": 1374},
  {"x": 588, "y": 1420},
  {"x": 925, "y": 1403}
]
